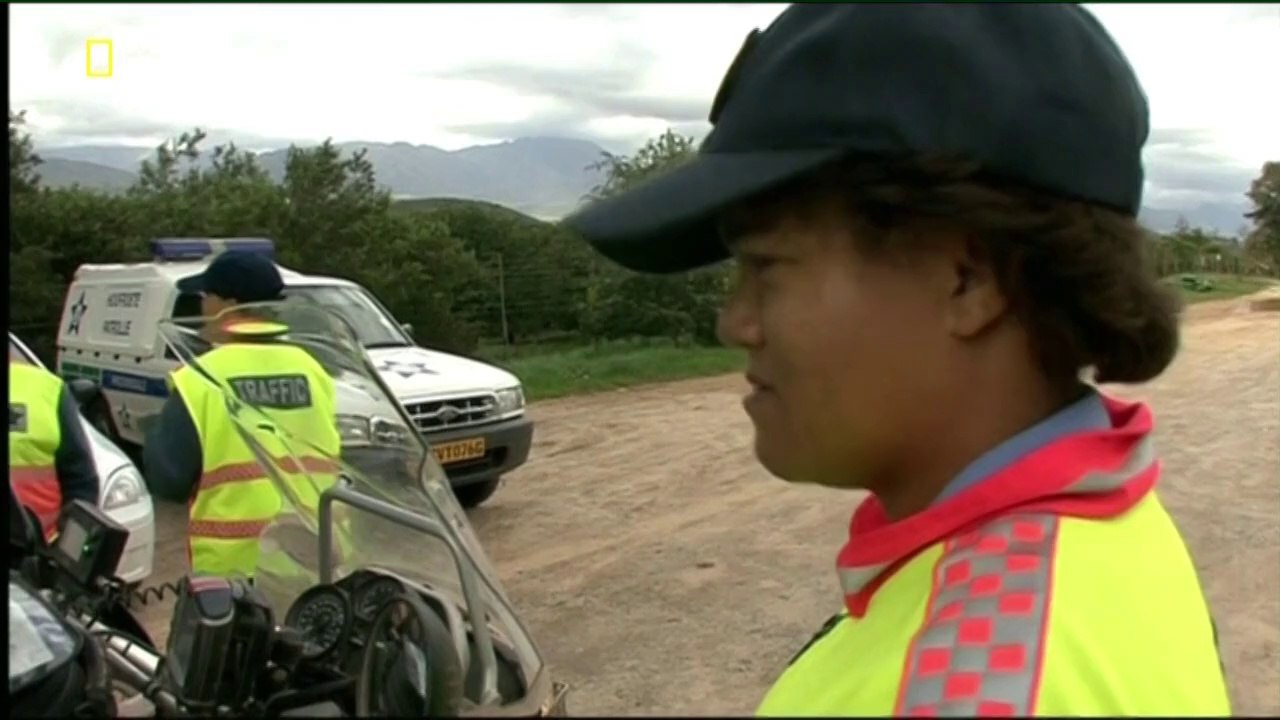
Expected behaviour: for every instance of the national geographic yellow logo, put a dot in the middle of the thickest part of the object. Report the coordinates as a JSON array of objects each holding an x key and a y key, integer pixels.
[{"x": 98, "y": 58}]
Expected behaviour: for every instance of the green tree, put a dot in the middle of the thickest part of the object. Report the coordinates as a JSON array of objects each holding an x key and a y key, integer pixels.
[
  {"x": 534, "y": 273},
  {"x": 622, "y": 304},
  {"x": 655, "y": 157},
  {"x": 1195, "y": 249},
  {"x": 23, "y": 159},
  {"x": 328, "y": 198},
  {"x": 51, "y": 232},
  {"x": 163, "y": 172},
  {"x": 420, "y": 272},
  {"x": 231, "y": 195},
  {"x": 339, "y": 223},
  {"x": 438, "y": 270},
  {"x": 328, "y": 217},
  {"x": 1264, "y": 193}
]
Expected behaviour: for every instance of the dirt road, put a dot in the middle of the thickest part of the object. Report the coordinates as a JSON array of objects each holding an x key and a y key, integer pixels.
[{"x": 663, "y": 572}]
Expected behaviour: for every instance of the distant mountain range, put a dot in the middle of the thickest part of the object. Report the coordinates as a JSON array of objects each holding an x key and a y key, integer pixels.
[
  {"x": 1225, "y": 218},
  {"x": 545, "y": 177}
]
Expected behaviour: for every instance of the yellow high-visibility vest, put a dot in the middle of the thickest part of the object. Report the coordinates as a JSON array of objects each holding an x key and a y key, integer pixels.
[
  {"x": 1031, "y": 614},
  {"x": 236, "y": 499},
  {"x": 34, "y": 437}
]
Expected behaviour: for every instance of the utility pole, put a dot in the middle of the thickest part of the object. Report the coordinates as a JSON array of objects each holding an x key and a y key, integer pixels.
[{"x": 502, "y": 301}]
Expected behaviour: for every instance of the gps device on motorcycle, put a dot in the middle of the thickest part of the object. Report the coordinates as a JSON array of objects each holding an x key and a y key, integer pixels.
[
  {"x": 89, "y": 543},
  {"x": 198, "y": 638},
  {"x": 219, "y": 640}
]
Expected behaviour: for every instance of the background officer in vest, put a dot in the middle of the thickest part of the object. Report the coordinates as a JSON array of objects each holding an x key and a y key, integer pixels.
[
  {"x": 933, "y": 212},
  {"x": 50, "y": 460},
  {"x": 194, "y": 453}
]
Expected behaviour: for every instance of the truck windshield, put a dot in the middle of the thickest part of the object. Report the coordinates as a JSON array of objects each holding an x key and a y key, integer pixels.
[{"x": 374, "y": 327}]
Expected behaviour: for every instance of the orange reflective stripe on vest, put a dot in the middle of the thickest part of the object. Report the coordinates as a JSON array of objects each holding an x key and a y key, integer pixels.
[
  {"x": 33, "y": 476},
  {"x": 227, "y": 529},
  {"x": 34, "y": 438},
  {"x": 250, "y": 471}
]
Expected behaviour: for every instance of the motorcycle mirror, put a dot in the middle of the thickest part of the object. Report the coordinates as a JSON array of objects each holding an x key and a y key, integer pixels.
[{"x": 84, "y": 390}]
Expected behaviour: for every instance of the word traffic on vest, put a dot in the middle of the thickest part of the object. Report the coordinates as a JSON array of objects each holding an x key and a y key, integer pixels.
[{"x": 280, "y": 392}]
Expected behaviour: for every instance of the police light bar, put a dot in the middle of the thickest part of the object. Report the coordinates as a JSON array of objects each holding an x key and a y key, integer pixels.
[{"x": 174, "y": 249}]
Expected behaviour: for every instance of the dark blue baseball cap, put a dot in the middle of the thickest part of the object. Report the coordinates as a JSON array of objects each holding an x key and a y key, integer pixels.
[
  {"x": 1036, "y": 94},
  {"x": 245, "y": 277}
]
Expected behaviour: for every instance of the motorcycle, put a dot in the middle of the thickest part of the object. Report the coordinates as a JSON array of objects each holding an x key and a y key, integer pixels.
[{"x": 372, "y": 595}]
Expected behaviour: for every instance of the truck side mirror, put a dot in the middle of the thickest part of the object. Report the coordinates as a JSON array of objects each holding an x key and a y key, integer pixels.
[{"x": 84, "y": 390}]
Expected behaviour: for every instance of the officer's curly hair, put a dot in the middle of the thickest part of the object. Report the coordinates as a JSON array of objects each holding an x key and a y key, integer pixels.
[{"x": 1078, "y": 275}]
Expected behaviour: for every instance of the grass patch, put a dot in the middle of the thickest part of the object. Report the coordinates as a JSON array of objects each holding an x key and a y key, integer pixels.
[
  {"x": 567, "y": 367},
  {"x": 563, "y": 369},
  {"x": 1225, "y": 287}
]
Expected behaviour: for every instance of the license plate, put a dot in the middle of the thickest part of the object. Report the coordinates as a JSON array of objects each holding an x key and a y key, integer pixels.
[{"x": 460, "y": 450}]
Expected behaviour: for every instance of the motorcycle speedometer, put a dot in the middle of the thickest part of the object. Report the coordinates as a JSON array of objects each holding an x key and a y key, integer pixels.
[
  {"x": 369, "y": 597},
  {"x": 323, "y": 615}
]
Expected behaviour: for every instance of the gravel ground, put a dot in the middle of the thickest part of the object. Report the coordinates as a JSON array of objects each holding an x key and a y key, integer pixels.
[{"x": 663, "y": 572}]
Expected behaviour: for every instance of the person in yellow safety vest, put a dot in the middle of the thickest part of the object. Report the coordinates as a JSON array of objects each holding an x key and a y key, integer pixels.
[
  {"x": 194, "y": 452},
  {"x": 50, "y": 459},
  {"x": 933, "y": 208}
]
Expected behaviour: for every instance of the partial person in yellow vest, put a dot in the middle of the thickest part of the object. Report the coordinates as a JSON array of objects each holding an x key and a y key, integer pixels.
[
  {"x": 933, "y": 209},
  {"x": 195, "y": 454},
  {"x": 50, "y": 459}
]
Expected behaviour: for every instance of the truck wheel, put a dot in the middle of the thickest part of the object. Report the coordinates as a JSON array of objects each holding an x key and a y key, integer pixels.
[{"x": 472, "y": 494}]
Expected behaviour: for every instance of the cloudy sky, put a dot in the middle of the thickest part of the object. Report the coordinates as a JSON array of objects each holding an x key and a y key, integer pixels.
[{"x": 457, "y": 75}]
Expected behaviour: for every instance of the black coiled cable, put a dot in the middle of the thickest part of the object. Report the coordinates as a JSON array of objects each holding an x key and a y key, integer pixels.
[{"x": 148, "y": 595}]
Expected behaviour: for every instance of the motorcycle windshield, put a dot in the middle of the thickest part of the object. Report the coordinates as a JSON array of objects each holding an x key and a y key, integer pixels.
[{"x": 382, "y": 457}]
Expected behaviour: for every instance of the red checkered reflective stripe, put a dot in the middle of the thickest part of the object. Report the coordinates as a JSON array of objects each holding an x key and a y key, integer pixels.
[
  {"x": 979, "y": 652},
  {"x": 250, "y": 471},
  {"x": 226, "y": 529}
]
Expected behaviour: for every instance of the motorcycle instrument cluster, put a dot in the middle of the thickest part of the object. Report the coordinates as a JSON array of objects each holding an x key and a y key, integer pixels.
[
  {"x": 370, "y": 596},
  {"x": 334, "y": 620},
  {"x": 324, "y": 616}
]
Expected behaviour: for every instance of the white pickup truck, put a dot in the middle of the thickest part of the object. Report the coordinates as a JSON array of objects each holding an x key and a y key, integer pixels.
[{"x": 472, "y": 414}]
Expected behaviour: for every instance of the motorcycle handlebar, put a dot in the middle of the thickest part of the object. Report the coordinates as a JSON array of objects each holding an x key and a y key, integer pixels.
[{"x": 136, "y": 666}]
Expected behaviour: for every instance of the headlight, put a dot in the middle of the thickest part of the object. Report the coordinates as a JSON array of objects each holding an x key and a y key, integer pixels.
[
  {"x": 389, "y": 432},
  {"x": 360, "y": 430},
  {"x": 353, "y": 429},
  {"x": 124, "y": 487},
  {"x": 510, "y": 400}
]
